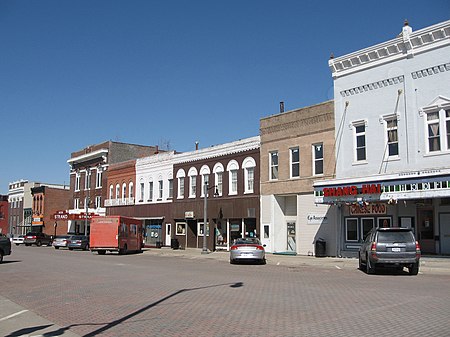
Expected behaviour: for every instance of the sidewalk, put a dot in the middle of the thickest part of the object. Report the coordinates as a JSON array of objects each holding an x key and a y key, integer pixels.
[{"x": 428, "y": 264}]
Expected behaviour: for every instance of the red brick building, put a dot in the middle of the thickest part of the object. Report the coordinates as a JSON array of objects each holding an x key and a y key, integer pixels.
[
  {"x": 4, "y": 227},
  {"x": 47, "y": 201}
]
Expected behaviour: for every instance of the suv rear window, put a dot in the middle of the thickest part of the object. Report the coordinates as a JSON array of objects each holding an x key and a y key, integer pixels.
[{"x": 391, "y": 237}]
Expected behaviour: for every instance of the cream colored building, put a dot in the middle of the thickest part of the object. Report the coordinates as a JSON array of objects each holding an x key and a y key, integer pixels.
[{"x": 297, "y": 148}]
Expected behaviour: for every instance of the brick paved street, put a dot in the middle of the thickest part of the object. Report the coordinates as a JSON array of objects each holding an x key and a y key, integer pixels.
[{"x": 158, "y": 295}]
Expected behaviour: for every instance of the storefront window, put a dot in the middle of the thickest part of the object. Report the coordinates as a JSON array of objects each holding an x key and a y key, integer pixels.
[
  {"x": 181, "y": 228},
  {"x": 351, "y": 229}
]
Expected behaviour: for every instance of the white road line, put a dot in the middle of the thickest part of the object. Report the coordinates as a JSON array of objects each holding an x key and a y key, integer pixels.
[{"x": 12, "y": 315}]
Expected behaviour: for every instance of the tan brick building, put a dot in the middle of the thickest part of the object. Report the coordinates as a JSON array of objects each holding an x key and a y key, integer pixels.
[{"x": 297, "y": 148}]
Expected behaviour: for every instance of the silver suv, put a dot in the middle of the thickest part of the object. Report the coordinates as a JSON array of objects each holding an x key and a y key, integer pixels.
[{"x": 390, "y": 247}]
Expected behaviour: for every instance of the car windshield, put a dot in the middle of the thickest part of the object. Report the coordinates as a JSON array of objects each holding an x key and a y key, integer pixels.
[
  {"x": 247, "y": 241},
  {"x": 391, "y": 237}
]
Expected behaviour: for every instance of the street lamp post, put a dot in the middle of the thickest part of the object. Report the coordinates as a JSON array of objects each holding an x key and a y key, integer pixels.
[{"x": 86, "y": 216}]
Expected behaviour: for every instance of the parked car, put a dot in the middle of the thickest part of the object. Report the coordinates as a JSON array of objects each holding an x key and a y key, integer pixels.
[
  {"x": 247, "y": 249},
  {"x": 5, "y": 246},
  {"x": 38, "y": 239},
  {"x": 18, "y": 240},
  {"x": 78, "y": 242},
  {"x": 61, "y": 241},
  {"x": 390, "y": 247}
]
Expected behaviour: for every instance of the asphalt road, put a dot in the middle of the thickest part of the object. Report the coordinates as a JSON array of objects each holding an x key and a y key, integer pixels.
[{"x": 48, "y": 292}]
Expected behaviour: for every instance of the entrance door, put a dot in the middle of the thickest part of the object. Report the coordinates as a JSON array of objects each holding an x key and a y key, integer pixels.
[
  {"x": 444, "y": 223},
  {"x": 291, "y": 242},
  {"x": 425, "y": 230},
  {"x": 168, "y": 234}
]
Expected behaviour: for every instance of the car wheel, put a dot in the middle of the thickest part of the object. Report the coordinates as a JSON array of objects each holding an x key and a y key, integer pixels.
[
  {"x": 56, "y": 247},
  {"x": 232, "y": 261},
  {"x": 263, "y": 261},
  {"x": 86, "y": 247},
  {"x": 101, "y": 252},
  {"x": 70, "y": 248},
  {"x": 1, "y": 256},
  {"x": 123, "y": 250},
  {"x": 38, "y": 243},
  {"x": 414, "y": 269},
  {"x": 369, "y": 268},
  {"x": 17, "y": 244},
  {"x": 28, "y": 244}
]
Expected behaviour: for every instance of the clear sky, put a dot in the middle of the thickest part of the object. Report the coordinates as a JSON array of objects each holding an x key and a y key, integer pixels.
[{"x": 76, "y": 73}]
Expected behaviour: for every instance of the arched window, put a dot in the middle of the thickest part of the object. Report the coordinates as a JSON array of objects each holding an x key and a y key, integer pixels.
[
  {"x": 131, "y": 190},
  {"x": 117, "y": 191},
  {"x": 204, "y": 172},
  {"x": 249, "y": 165},
  {"x": 218, "y": 177},
  {"x": 111, "y": 191},
  {"x": 192, "y": 182},
  {"x": 180, "y": 179},
  {"x": 124, "y": 191}
]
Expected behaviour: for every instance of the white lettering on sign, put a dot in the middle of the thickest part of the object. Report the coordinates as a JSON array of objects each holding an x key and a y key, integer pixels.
[{"x": 368, "y": 209}]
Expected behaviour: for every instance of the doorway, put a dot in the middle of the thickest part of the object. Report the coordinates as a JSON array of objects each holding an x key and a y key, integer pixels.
[
  {"x": 425, "y": 230},
  {"x": 291, "y": 241}
]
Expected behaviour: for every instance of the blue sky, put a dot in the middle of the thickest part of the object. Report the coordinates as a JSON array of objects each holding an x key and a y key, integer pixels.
[{"x": 75, "y": 73}]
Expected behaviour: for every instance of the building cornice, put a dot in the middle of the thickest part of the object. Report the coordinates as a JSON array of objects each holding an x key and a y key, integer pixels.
[
  {"x": 215, "y": 151},
  {"x": 102, "y": 153},
  {"x": 406, "y": 45}
]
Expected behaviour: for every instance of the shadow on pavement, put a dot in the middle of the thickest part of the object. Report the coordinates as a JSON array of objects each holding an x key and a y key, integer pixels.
[{"x": 107, "y": 326}]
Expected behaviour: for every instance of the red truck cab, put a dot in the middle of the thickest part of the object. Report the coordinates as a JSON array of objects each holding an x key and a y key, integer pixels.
[{"x": 115, "y": 234}]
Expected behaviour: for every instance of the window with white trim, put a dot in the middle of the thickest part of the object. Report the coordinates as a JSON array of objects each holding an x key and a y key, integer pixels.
[
  {"x": 391, "y": 125},
  {"x": 273, "y": 164},
  {"x": 295, "y": 162},
  {"x": 249, "y": 165},
  {"x": 438, "y": 130},
  {"x": 98, "y": 201},
  {"x": 318, "y": 159},
  {"x": 219, "y": 183},
  {"x": 142, "y": 193},
  {"x": 111, "y": 192},
  {"x": 181, "y": 187},
  {"x": 359, "y": 132},
  {"x": 160, "y": 189},
  {"x": 170, "y": 188},
  {"x": 98, "y": 178},
  {"x": 193, "y": 186},
  {"x": 117, "y": 191},
  {"x": 124, "y": 191},
  {"x": 205, "y": 181},
  {"x": 131, "y": 190},
  {"x": 87, "y": 180},
  {"x": 232, "y": 169},
  {"x": 76, "y": 203},
  {"x": 150, "y": 191},
  {"x": 77, "y": 181},
  {"x": 351, "y": 229}
]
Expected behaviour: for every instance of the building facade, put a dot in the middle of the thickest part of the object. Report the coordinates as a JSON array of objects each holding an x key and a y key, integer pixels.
[
  {"x": 392, "y": 120},
  {"x": 297, "y": 148},
  {"x": 4, "y": 226},
  {"x": 20, "y": 202},
  {"x": 47, "y": 201},
  {"x": 217, "y": 185},
  {"x": 88, "y": 179}
]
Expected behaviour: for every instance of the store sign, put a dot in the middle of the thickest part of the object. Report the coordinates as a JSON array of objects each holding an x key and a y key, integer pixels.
[
  {"x": 371, "y": 209},
  {"x": 189, "y": 215},
  {"x": 314, "y": 219},
  {"x": 352, "y": 190},
  {"x": 60, "y": 215}
]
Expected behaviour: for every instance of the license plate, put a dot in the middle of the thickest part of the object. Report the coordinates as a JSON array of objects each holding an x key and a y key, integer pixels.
[{"x": 396, "y": 250}]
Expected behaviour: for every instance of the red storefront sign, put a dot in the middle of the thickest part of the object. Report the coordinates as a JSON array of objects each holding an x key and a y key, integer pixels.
[
  {"x": 63, "y": 215},
  {"x": 352, "y": 190}
]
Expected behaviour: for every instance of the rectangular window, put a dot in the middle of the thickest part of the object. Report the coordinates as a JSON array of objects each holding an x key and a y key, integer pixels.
[
  {"x": 76, "y": 203},
  {"x": 234, "y": 181},
  {"x": 360, "y": 142},
  {"x": 98, "y": 179},
  {"x": 193, "y": 190},
  {"x": 77, "y": 181},
  {"x": 351, "y": 229},
  {"x": 392, "y": 137},
  {"x": 98, "y": 201},
  {"x": 150, "y": 191},
  {"x": 181, "y": 187},
  {"x": 273, "y": 158},
  {"x": 250, "y": 179},
  {"x": 181, "y": 228},
  {"x": 434, "y": 143},
  {"x": 142, "y": 192},
  {"x": 295, "y": 162},
  {"x": 219, "y": 182},
  {"x": 366, "y": 225},
  {"x": 87, "y": 180},
  {"x": 170, "y": 188},
  {"x": 318, "y": 159},
  {"x": 447, "y": 126},
  {"x": 205, "y": 180},
  {"x": 160, "y": 189}
]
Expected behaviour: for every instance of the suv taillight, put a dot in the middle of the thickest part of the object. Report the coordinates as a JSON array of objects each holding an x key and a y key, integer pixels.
[
  {"x": 417, "y": 250},
  {"x": 373, "y": 247}
]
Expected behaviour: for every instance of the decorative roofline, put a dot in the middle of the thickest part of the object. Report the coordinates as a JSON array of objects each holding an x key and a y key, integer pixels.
[
  {"x": 406, "y": 45},
  {"x": 215, "y": 151}
]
